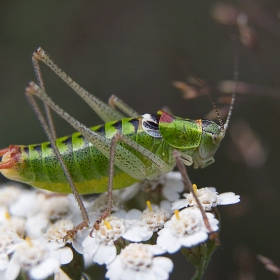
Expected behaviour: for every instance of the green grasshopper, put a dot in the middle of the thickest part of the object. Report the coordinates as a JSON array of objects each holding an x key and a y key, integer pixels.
[{"x": 118, "y": 153}]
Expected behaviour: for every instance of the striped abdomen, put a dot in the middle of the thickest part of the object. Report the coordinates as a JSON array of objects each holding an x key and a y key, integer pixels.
[{"x": 38, "y": 166}]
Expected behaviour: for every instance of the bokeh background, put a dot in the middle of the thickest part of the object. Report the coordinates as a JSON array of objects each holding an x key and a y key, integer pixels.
[{"x": 135, "y": 50}]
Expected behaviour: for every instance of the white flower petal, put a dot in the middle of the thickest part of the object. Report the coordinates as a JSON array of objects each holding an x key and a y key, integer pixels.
[
  {"x": 35, "y": 225},
  {"x": 105, "y": 254},
  {"x": 166, "y": 205},
  {"x": 128, "y": 193},
  {"x": 90, "y": 245},
  {"x": 137, "y": 234},
  {"x": 228, "y": 198},
  {"x": 173, "y": 186},
  {"x": 167, "y": 241},
  {"x": 131, "y": 236},
  {"x": 9, "y": 194},
  {"x": 115, "y": 270},
  {"x": 156, "y": 249},
  {"x": 13, "y": 270},
  {"x": 163, "y": 262},
  {"x": 28, "y": 204},
  {"x": 2, "y": 274},
  {"x": 120, "y": 214},
  {"x": 79, "y": 239},
  {"x": 194, "y": 239},
  {"x": 210, "y": 216},
  {"x": 130, "y": 274},
  {"x": 45, "y": 269},
  {"x": 178, "y": 204},
  {"x": 160, "y": 274},
  {"x": 4, "y": 261},
  {"x": 162, "y": 266},
  {"x": 208, "y": 198},
  {"x": 133, "y": 214},
  {"x": 174, "y": 245},
  {"x": 53, "y": 245},
  {"x": 64, "y": 255},
  {"x": 138, "y": 275},
  {"x": 137, "y": 262}
]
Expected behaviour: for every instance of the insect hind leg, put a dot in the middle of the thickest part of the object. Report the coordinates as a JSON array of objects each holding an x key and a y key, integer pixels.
[
  {"x": 114, "y": 101},
  {"x": 35, "y": 107},
  {"x": 104, "y": 111}
]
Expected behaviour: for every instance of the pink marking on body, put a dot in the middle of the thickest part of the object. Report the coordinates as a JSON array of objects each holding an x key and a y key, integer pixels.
[{"x": 165, "y": 117}]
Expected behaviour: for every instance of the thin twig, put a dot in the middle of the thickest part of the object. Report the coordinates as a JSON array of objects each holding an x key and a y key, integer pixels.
[
  {"x": 269, "y": 264},
  {"x": 226, "y": 87}
]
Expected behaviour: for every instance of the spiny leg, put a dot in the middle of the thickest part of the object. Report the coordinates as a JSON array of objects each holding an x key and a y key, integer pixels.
[
  {"x": 41, "y": 84},
  {"x": 85, "y": 222},
  {"x": 114, "y": 101},
  {"x": 105, "y": 112},
  {"x": 109, "y": 205}
]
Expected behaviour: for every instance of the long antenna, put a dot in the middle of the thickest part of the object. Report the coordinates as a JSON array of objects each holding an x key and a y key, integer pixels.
[
  {"x": 204, "y": 88},
  {"x": 235, "y": 77},
  {"x": 217, "y": 111}
]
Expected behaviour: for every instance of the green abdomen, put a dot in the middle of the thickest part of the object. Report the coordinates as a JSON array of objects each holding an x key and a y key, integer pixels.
[{"x": 88, "y": 167}]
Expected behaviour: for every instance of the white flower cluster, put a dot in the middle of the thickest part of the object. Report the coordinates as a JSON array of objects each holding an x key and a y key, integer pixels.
[
  {"x": 33, "y": 225},
  {"x": 208, "y": 198}
]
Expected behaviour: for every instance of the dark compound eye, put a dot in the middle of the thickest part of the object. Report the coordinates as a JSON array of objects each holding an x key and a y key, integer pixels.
[{"x": 214, "y": 138}]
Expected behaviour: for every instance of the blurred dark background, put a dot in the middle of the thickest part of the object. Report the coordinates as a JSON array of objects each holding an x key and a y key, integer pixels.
[{"x": 135, "y": 50}]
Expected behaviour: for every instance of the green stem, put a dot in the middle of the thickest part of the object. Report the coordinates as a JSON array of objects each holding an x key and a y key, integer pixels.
[
  {"x": 23, "y": 275},
  {"x": 198, "y": 274}
]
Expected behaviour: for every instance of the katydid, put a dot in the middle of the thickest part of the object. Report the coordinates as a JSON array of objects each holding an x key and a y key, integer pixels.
[{"x": 127, "y": 148}]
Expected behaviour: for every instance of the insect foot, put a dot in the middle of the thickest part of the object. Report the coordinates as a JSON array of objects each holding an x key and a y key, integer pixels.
[
  {"x": 71, "y": 234},
  {"x": 97, "y": 223}
]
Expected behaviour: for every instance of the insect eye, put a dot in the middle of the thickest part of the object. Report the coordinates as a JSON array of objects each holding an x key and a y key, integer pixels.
[{"x": 214, "y": 138}]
